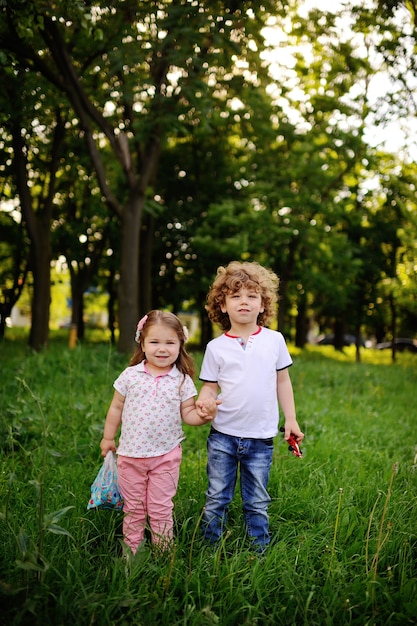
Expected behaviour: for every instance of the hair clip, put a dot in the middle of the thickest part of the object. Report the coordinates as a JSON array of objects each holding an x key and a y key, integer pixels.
[{"x": 140, "y": 326}]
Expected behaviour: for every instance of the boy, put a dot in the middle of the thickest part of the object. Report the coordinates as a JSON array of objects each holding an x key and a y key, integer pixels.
[{"x": 249, "y": 364}]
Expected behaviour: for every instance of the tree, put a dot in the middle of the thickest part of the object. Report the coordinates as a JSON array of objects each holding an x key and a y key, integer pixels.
[
  {"x": 132, "y": 75},
  {"x": 82, "y": 229},
  {"x": 202, "y": 221},
  {"x": 33, "y": 144},
  {"x": 321, "y": 159}
]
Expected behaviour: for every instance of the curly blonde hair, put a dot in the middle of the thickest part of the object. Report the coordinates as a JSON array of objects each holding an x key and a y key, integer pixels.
[
  {"x": 233, "y": 277},
  {"x": 184, "y": 362}
]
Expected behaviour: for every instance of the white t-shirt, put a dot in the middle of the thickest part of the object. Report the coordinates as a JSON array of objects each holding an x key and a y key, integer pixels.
[
  {"x": 151, "y": 417},
  {"x": 247, "y": 378}
]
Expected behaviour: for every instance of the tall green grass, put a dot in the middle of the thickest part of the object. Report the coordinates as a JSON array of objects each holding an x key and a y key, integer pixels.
[{"x": 343, "y": 518}]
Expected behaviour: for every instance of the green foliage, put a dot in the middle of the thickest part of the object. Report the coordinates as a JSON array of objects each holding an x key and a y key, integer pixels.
[
  {"x": 343, "y": 518},
  {"x": 176, "y": 123}
]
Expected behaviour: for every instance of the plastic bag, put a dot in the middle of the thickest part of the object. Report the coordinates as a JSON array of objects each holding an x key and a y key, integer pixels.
[{"x": 105, "y": 492}]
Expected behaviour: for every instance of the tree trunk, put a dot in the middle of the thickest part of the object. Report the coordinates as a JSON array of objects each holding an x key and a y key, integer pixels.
[
  {"x": 301, "y": 324},
  {"x": 339, "y": 332},
  {"x": 393, "y": 310},
  {"x": 111, "y": 303},
  {"x": 129, "y": 273},
  {"x": 145, "y": 303},
  {"x": 284, "y": 278},
  {"x": 206, "y": 329},
  {"x": 38, "y": 227},
  {"x": 2, "y": 321},
  {"x": 358, "y": 343},
  {"x": 79, "y": 283},
  {"x": 41, "y": 300}
]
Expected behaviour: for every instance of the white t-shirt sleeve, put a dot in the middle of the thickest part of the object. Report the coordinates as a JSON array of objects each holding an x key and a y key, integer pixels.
[
  {"x": 284, "y": 357},
  {"x": 209, "y": 368}
]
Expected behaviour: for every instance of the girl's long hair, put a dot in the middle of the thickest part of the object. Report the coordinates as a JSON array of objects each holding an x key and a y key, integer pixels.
[{"x": 184, "y": 362}]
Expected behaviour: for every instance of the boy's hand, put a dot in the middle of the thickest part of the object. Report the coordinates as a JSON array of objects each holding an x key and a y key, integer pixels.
[
  {"x": 207, "y": 409},
  {"x": 293, "y": 443},
  {"x": 292, "y": 428}
]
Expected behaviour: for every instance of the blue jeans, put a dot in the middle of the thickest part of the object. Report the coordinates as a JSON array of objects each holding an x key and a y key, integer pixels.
[{"x": 225, "y": 454}]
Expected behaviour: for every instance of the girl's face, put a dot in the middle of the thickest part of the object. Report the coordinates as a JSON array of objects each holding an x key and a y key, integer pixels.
[{"x": 161, "y": 347}]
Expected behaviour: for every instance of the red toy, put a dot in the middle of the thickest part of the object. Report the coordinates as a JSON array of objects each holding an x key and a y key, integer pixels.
[{"x": 293, "y": 444}]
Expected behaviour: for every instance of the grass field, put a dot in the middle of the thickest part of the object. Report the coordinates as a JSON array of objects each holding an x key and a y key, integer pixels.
[{"x": 343, "y": 518}]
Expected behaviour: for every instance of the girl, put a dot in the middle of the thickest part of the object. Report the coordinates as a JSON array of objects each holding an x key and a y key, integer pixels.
[{"x": 151, "y": 397}]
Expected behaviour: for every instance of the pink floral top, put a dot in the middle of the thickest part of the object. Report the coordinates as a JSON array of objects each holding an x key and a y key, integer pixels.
[{"x": 151, "y": 418}]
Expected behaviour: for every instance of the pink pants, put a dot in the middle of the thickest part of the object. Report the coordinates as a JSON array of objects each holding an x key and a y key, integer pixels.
[{"x": 148, "y": 486}]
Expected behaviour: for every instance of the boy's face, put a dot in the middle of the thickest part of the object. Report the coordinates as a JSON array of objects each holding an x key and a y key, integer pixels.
[{"x": 243, "y": 306}]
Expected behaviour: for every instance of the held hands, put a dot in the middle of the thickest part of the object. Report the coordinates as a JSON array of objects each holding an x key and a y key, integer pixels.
[
  {"x": 207, "y": 408},
  {"x": 106, "y": 445}
]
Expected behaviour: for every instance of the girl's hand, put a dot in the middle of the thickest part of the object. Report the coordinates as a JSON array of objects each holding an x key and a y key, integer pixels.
[
  {"x": 207, "y": 409},
  {"x": 107, "y": 445}
]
